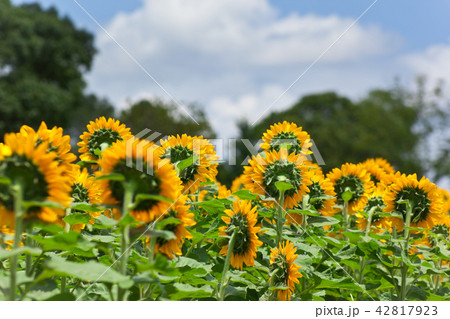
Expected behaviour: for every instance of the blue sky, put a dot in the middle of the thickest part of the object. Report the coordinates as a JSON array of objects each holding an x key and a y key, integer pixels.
[{"x": 236, "y": 58}]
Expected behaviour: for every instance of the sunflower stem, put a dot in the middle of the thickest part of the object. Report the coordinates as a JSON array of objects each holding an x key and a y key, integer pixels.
[
  {"x": 151, "y": 249},
  {"x": 19, "y": 213},
  {"x": 221, "y": 296},
  {"x": 280, "y": 219},
  {"x": 369, "y": 220},
  {"x": 345, "y": 215},
  {"x": 125, "y": 234},
  {"x": 67, "y": 227},
  {"x": 404, "y": 270},
  {"x": 28, "y": 258}
]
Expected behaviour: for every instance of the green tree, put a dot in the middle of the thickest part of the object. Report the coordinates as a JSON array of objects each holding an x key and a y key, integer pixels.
[
  {"x": 166, "y": 118},
  {"x": 395, "y": 124},
  {"x": 43, "y": 58}
]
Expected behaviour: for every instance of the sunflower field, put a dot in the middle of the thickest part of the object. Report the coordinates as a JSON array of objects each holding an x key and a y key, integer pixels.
[{"x": 138, "y": 220}]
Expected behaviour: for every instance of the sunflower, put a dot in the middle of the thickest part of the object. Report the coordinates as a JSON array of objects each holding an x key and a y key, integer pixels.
[
  {"x": 57, "y": 142},
  {"x": 157, "y": 177},
  {"x": 203, "y": 167},
  {"x": 85, "y": 189},
  {"x": 445, "y": 195},
  {"x": 282, "y": 261},
  {"x": 237, "y": 184},
  {"x": 285, "y": 133},
  {"x": 261, "y": 175},
  {"x": 376, "y": 204},
  {"x": 243, "y": 218},
  {"x": 320, "y": 186},
  {"x": 101, "y": 134},
  {"x": 181, "y": 218},
  {"x": 423, "y": 195},
  {"x": 40, "y": 176},
  {"x": 354, "y": 178},
  {"x": 377, "y": 170},
  {"x": 441, "y": 230}
]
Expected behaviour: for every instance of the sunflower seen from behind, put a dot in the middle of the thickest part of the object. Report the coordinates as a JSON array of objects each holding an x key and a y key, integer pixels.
[
  {"x": 40, "y": 176},
  {"x": 378, "y": 168},
  {"x": 353, "y": 178},
  {"x": 100, "y": 135},
  {"x": 175, "y": 220},
  {"x": 427, "y": 204},
  {"x": 266, "y": 169},
  {"x": 144, "y": 173},
  {"x": 201, "y": 154},
  {"x": 242, "y": 219},
  {"x": 281, "y": 134},
  {"x": 285, "y": 271}
]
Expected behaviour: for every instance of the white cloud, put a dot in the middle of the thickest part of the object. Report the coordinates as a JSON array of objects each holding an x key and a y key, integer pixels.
[
  {"x": 434, "y": 62},
  {"x": 235, "y": 57}
]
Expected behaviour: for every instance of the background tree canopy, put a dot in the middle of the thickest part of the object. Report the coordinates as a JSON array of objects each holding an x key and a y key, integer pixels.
[{"x": 43, "y": 58}]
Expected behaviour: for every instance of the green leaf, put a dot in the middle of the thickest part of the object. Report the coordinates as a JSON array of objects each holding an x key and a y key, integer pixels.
[
  {"x": 111, "y": 177},
  {"x": 323, "y": 197},
  {"x": 214, "y": 206},
  {"x": 77, "y": 218},
  {"x": 71, "y": 242},
  {"x": 86, "y": 207},
  {"x": 308, "y": 212},
  {"x": 170, "y": 221},
  {"x": 164, "y": 234},
  {"x": 103, "y": 222},
  {"x": 5, "y": 254},
  {"x": 245, "y": 194},
  {"x": 181, "y": 165},
  {"x": 62, "y": 297},
  {"x": 347, "y": 195},
  {"x": 185, "y": 291},
  {"x": 144, "y": 197},
  {"x": 47, "y": 203},
  {"x": 5, "y": 181},
  {"x": 339, "y": 284},
  {"x": 322, "y": 221},
  {"x": 90, "y": 271},
  {"x": 83, "y": 164},
  {"x": 283, "y": 186}
]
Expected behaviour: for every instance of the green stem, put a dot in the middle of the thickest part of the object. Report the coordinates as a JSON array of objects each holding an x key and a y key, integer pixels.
[
  {"x": 125, "y": 234},
  {"x": 19, "y": 213},
  {"x": 345, "y": 216},
  {"x": 369, "y": 220},
  {"x": 226, "y": 266},
  {"x": 404, "y": 271},
  {"x": 63, "y": 284},
  {"x": 280, "y": 221},
  {"x": 151, "y": 249},
  {"x": 67, "y": 227},
  {"x": 272, "y": 295},
  {"x": 28, "y": 258}
]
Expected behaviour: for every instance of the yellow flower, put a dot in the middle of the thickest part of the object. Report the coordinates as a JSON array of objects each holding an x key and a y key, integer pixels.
[
  {"x": 261, "y": 176},
  {"x": 243, "y": 217},
  {"x": 157, "y": 177},
  {"x": 423, "y": 195},
  {"x": 282, "y": 261},
  {"x": 40, "y": 175},
  {"x": 445, "y": 195},
  {"x": 286, "y": 133},
  {"x": 101, "y": 134},
  {"x": 375, "y": 202},
  {"x": 85, "y": 189},
  {"x": 378, "y": 168},
  {"x": 353, "y": 178},
  {"x": 204, "y": 165},
  {"x": 180, "y": 212}
]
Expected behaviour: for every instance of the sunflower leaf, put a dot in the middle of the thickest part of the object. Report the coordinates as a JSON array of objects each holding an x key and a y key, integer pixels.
[
  {"x": 168, "y": 222},
  {"x": 89, "y": 271},
  {"x": 77, "y": 218},
  {"x": 103, "y": 222},
  {"x": 5, "y": 254},
  {"x": 86, "y": 207},
  {"x": 283, "y": 186},
  {"x": 245, "y": 194},
  {"x": 308, "y": 212},
  {"x": 5, "y": 181},
  {"x": 83, "y": 164},
  {"x": 144, "y": 197},
  {"x": 46, "y": 203},
  {"x": 347, "y": 195},
  {"x": 111, "y": 177},
  {"x": 322, "y": 221}
]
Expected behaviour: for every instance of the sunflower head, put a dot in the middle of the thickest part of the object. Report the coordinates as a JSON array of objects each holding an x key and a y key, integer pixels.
[
  {"x": 175, "y": 220},
  {"x": 144, "y": 173},
  {"x": 39, "y": 175},
  {"x": 287, "y": 135},
  {"x": 242, "y": 220},
  {"x": 378, "y": 168},
  {"x": 319, "y": 187},
  {"x": 265, "y": 170},
  {"x": 423, "y": 196},
  {"x": 199, "y": 151},
  {"x": 238, "y": 183},
  {"x": 100, "y": 135},
  {"x": 285, "y": 271},
  {"x": 353, "y": 178}
]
